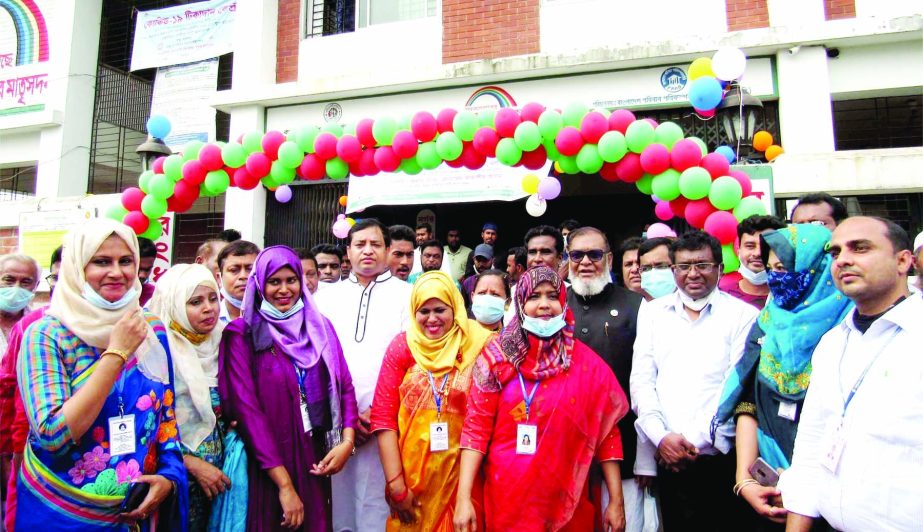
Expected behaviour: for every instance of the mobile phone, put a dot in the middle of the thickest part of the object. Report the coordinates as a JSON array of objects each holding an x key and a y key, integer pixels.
[
  {"x": 136, "y": 494},
  {"x": 764, "y": 473}
]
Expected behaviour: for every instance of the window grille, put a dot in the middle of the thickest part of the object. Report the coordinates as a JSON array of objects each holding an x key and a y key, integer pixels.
[
  {"x": 869, "y": 123},
  {"x": 17, "y": 183},
  {"x": 306, "y": 219},
  {"x": 710, "y": 131}
]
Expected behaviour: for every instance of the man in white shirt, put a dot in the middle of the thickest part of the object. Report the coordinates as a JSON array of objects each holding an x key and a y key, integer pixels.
[
  {"x": 234, "y": 263},
  {"x": 687, "y": 343},
  {"x": 859, "y": 451},
  {"x": 422, "y": 233},
  {"x": 456, "y": 254},
  {"x": 367, "y": 311}
]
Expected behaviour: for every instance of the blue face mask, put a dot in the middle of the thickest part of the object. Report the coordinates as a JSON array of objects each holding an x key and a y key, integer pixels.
[
  {"x": 14, "y": 298},
  {"x": 237, "y": 303},
  {"x": 267, "y": 309},
  {"x": 789, "y": 288},
  {"x": 98, "y": 301},
  {"x": 658, "y": 282},
  {"x": 543, "y": 328},
  {"x": 488, "y": 309}
]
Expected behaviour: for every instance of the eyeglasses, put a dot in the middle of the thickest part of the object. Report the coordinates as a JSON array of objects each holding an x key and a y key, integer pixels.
[
  {"x": 595, "y": 255},
  {"x": 649, "y": 267},
  {"x": 51, "y": 279},
  {"x": 701, "y": 267}
]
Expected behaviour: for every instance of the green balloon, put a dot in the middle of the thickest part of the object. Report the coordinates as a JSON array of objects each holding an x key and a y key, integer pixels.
[
  {"x": 528, "y": 137},
  {"x": 217, "y": 181},
  {"x": 486, "y": 117},
  {"x": 639, "y": 134},
  {"x": 549, "y": 124},
  {"x": 645, "y": 184},
  {"x": 749, "y": 206},
  {"x": 334, "y": 128},
  {"x": 729, "y": 258},
  {"x": 465, "y": 124},
  {"x": 290, "y": 155},
  {"x": 551, "y": 150},
  {"x": 612, "y": 146},
  {"x": 116, "y": 212},
  {"x": 191, "y": 149},
  {"x": 667, "y": 134},
  {"x": 144, "y": 181},
  {"x": 588, "y": 159},
  {"x": 153, "y": 207},
  {"x": 449, "y": 146},
  {"x": 725, "y": 193},
  {"x": 573, "y": 114},
  {"x": 694, "y": 183},
  {"x": 384, "y": 129},
  {"x": 173, "y": 167},
  {"x": 411, "y": 166},
  {"x": 508, "y": 153},
  {"x": 701, "y": 143},
  {"x": 427, "y": 156},
  {"x": 281, "y": 173},
  {"x": 568, "y": 164},
  {"x": 337, "y": 168},
  {"x": 665, "y": 185},
  {"x": 161, "y": 186},
  {"x": 306, "y": 136},
  {"x": 154, "y": 230},
  {"x": 234, "y": 155},
  {"x": 404, "y": 123},
  {"x": 268, "y": 182},
  {"x": 253, "y": 142}
]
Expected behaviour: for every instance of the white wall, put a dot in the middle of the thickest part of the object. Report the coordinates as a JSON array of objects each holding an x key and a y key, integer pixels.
[
  {"x": 881, "y": 68},
  {"x": 805, "y": 111},
  {"x": 888, "y": 8}
]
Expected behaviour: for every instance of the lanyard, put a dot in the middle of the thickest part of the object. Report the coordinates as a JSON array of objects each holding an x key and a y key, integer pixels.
[
  {"x": 437, "y": 394},
  {"x": 300, "y": 372},
  {"x": 865, "y": 372},
  {"x": 119, "y": 387},
  {"x": 527, "y": 398}
]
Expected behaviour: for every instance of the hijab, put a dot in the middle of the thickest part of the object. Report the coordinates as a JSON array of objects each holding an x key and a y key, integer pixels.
[
  {"x": 195, "y": 356},
  {"x": 461, "y": 344}
]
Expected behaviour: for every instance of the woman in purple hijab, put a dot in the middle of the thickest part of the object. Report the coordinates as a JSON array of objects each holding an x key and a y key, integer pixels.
[{"x": 283, "y": 378}]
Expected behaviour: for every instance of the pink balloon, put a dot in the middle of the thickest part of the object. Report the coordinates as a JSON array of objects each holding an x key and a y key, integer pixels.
[
  {"x": 678, "y": 206},
  {"x": 535, "y": 159},
  {"x": 593, "y": 126},
  {"x": 325, "y": 145},
  {"x": 284, "y": 194},
  {"x": 157, "y": 165},
  {"x": 620, "y": 119},
  {"x": 705, "y": 113},
  {"x": 471, "y": 158},
  {"x": 271, "y": 142},
  {"x": 659, "y": 230},
  {"x": 485, "y": 141},
  {"x": 569, "y": 141},
  {"x": 455, "y": 163},
  {"x": 341, "y": 227},
  {"x": 744, "y": 181},
  {"x": 662, "y": 211},
  {"x": 194, "y": 172},
  {"x": 367, "y": 162},
  {"x": 652, "y": 122},
  {"x": 242, "y": 179},
  {"x": 313, "y": 167},
  {"x": 697, "y": 212},
  {"x": 531, "y": 111},
  {"x": 506, "y": 121},
  {"x": 423, "y": 125},
  {"x": 655, "y": 159},
  {"x": 629, "y": 168},
  {"x": 138, "y": 221},
  {"x": 716, "y": 164},
  {"x": 722, "y": 225},
  {"x": 364, "y": 132},
  {"x": 405, "y": 144},
  {"x": 186, "y": 192},
  {"x": 609, "y": 172},
  {"x": 349, "y": 148},
  {"x": 549, "y": 188},
  {"x": 132, "y": 198},
  {"x": 444, "y": 121},
  {"x": 685, "y": 154},
  {"x": 210, "y": 157},
  {"x": 386, "y": 159},
  {"x": 258, "y": 164}
]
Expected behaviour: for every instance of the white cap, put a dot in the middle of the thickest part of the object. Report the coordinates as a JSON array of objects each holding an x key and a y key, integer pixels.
[{"x": 918, "y": 242}]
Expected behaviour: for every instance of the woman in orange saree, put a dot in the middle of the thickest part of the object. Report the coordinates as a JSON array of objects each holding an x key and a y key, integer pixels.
[{"x": 420, "y": 405}]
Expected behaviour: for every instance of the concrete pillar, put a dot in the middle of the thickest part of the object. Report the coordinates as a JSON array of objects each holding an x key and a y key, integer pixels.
[
  {"x": 805, "y": 109},
  {"x": 245, "y": 210}
]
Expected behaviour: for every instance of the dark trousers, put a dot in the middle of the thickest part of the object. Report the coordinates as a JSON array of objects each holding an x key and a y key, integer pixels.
[{"x": 700, "y": 497}]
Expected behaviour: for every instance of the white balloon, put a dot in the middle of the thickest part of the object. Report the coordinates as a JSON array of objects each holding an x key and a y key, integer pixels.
[
  {"x": 728, "y": 63},
  {"x": 536, "y": 206}
]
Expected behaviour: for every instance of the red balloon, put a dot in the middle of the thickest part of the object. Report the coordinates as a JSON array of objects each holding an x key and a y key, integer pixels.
[
  {"x": 444, "y": 121},
  {"x": 244, "y": 180},
  {"x": 531, "y": 111},
  {"x": 367, "y": 162},
  {"x": 138, "y": 221},
  {"x": 177, "y": 205},
  {"x": 131, "y": 199},
  {"x": 210, "y": 157},
  {"x": 697, "y": 211},
  {"x": 313, "y": 167},
  {"x": 722, "y": 225},
  {"x": 424, "y": 126},
  {"x": 609, "y": 172},
  {"x": 506, "y": 121},
  {"x": 355, "y": 168},
  {"x": 231, "y": 172},
  {"x": 325, "y": 145},
  {"x": 629, "y": 168},
  {"x": 405, "y": 143},
  {"x": 485, "y": 141},
  {"x": 349, "y": 148},
  {"x": 258, "y": 164},
  {"x": 685, "y": 154},
  {"x": 705, "y": 113},
  {"x": 655, "y": 159},
  {"x": 569, "y": 141},
  {"x": 678, "y": 206},
  {"x": 271, "y": 142},
  {"x": 535, "y": 159},
  {"x": 744, "y": 181},
  {"x": 593, "y": 126},
  {"x": 716, "y": 164},
  {"x": 185, "y": 191},
  {"x": 157, "y": 165},
  {"x": 194, "y": 172},
  {"x": 364, "y": 132},
  {"x": 386, "y": 159},
  {"x": 662, "y": 211},
  {"x": 471, "y": 158},
  {"x": 620, "y": 119},
  {"x": 455, "y": 163}
]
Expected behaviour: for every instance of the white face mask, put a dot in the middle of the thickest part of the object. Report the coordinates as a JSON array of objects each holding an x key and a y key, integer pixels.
[
  {"x": 758, "y": 279},
  {"x": 697, "y": 304}
]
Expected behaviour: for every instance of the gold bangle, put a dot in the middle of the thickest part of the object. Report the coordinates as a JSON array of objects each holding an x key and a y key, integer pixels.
[
  {"x": 121, "y": 354},
  {"x": 742, "y": 484},
  {"x": 352, "y": 444}
]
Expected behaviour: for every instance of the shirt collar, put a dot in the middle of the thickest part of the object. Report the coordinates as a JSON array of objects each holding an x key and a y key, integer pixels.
[
  {"x": 905, "y": 315},
  {"x": 680, "y": 308},
  {"x": 384, "y": 276}
]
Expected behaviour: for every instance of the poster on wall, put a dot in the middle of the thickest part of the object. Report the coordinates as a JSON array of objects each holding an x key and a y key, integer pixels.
[
  {"x": 182, "y": 94},
  {"x": 24, "y": 56},
  {"x": 40, "y": 233},
  {"x": 190, "y": 32}
]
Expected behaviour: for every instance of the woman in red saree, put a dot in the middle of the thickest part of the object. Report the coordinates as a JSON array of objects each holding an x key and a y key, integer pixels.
[
  {"x": 543, "y": 406},
  {"x": 420, "y": 405}
]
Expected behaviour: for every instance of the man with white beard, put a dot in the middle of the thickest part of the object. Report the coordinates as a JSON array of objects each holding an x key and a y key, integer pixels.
[{"x": 604, "y": 319}]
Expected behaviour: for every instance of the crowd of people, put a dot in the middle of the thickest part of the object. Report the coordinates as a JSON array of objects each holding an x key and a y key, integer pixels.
[{"x": 400, "y": 383}]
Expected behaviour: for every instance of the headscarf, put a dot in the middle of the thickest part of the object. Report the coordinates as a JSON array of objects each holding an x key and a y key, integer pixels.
[
  {"x": 461, "y": 344},
  {"x": 195, "y": 356},
  {"x": 536, "y": 358},
  {"x": 302, "y": 336}
]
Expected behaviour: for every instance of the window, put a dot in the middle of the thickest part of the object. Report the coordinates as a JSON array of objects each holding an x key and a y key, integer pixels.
[
  {"x": 383, "y": 11},
  {"x": 870, "y": 123},
  {"x": 332, "y": 17},
  {"x": 17, "y": 183},
  {"x": 329, "y": 17}
]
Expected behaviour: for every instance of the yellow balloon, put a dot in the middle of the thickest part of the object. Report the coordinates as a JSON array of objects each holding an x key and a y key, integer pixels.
[
  {"x": 700, "y": 67},
  {"x": 351, "y": 222},
  {"x": 557, "y": 167},
  {"x": 530, "y": 183}
]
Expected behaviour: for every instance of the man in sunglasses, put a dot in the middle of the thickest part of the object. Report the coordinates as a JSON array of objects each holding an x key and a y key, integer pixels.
[
  {"x": 686, "y": 343},
  {"x": 604, "y": 319}
]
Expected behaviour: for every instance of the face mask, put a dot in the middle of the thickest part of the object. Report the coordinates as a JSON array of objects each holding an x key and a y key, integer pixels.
[
  {"x": 488, "y": 309},
  {"x": 696, "y": 304},
  {"x": 658, "y": 282},
  {"x": 236, "y": 303},
  {"x": 98, "y": 301},
  {"x": 543, "y": 328},
  {"x": 789, "y": 288},
  {"x": 268, "y": 310},
  {"x": 14, "y": 298},
  {"x": 758, "y": 279}
]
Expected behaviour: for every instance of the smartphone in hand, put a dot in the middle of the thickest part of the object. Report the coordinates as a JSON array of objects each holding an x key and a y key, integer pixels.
[{"x": 763, "y": 473}]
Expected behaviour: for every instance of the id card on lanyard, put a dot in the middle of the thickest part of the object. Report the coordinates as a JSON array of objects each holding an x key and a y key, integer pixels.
[
  {"x": 439, "y": 430},
  {"x": 303, "y": 403},
  {"x": 122, "y": 427},
  {"x": 527, "y": 433}
]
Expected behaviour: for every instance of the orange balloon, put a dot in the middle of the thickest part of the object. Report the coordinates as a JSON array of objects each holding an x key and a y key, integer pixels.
[
  {"x": 343, "y": 201},
  {"x": 774, "y": 151},
  {"x": 762, "y": 140}
]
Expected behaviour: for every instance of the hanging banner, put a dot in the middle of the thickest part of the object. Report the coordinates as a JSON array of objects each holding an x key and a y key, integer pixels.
[
  {"x": 492, "y": 182},
  {"x": 182, "y": 93},
  {"x": 25, "y": 67},
  {"x": 191, "y": 32}
]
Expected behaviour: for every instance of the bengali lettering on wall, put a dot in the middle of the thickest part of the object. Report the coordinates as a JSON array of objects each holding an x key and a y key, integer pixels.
[{"x": 24, "y": 56}]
